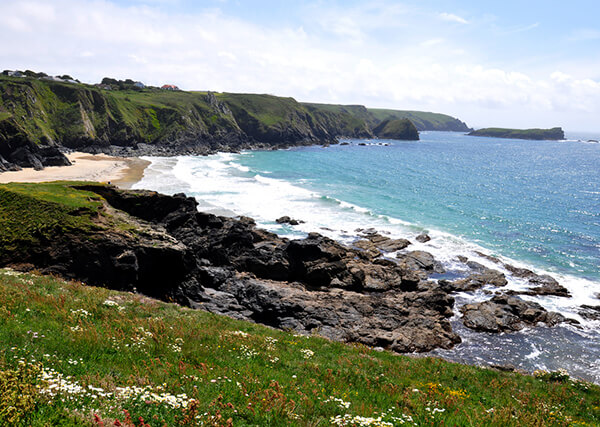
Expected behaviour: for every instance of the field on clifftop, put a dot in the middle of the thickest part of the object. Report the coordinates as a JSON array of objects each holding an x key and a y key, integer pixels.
[{"x": 71, "y": 354}]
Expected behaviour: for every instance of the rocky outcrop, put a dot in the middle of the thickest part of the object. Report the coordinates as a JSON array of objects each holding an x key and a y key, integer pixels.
[
  {"x": 287, "y": 220},
  {"x": 541, "y": 284},
  {"x": 165, "y": 248},
  {"x": 17, "y": 151},
  {"x": 507, "y": 313}
]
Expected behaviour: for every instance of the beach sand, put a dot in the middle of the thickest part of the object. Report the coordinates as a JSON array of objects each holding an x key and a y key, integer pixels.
[{"x": 120, "y": 171}]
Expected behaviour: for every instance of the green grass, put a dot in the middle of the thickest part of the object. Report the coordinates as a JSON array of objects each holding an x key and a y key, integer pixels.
[
  {"x": 422, "y": 120},
  {"x": 232, "y": 372},
  {"x": 33, "y": 213}
]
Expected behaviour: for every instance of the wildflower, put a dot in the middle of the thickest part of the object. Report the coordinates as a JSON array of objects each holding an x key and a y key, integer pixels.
[{"x": 307, "y": 353}]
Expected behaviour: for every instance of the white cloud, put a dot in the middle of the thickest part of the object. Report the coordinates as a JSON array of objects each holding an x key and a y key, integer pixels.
[
  {"x": 450, "y": 17},
  {"x": 209, "y": 50}
]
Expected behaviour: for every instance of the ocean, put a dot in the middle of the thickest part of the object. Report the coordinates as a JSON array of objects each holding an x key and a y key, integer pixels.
[{"x": 534, "y": 204}]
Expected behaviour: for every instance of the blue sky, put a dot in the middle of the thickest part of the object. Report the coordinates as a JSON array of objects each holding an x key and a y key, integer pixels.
[{"x": 509, "y": 63}]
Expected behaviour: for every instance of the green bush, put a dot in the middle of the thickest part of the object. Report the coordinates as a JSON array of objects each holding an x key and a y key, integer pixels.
[{"x": 18, "y": 393}]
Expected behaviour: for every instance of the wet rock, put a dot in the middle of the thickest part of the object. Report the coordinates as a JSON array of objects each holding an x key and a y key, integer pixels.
[
  {"x": 423, "y": 238},
  {"x": 506, "y": 313},
  {"x": 489, "y": 257},
  {"x": 590, "y": 312},
  {"x": 483, "y": 277},
  {"x": 547, "y": 286},
  {"x": 542, "y": 284},
  {"x": 287, "y": 220}
]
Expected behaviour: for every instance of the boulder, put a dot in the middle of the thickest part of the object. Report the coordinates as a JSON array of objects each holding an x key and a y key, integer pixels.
[
  {"x": 423, "y": 238},
  {"x": 420, "y": 261},
  {"x": 483, "y": 276},
  {"x": 287, "y": 220},
  {"x": 506, "y": 313}
]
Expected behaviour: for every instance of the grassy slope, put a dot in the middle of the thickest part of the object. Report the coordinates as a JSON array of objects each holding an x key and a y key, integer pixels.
[
  {"x": 422, "y": 120},
  {"x": 536, "y": 134},
  {"x": 67, "y": 113},
  {"x": 30, "y": 213},
  {"x": 249, "y": 373}
]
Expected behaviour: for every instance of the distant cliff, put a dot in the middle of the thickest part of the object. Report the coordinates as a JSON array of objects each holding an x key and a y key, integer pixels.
[
  {"x": 40, "y": 117},
  {"x": 533, "y": 134}
]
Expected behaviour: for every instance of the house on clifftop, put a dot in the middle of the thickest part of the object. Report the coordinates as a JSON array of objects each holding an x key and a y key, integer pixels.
[{"x": 169, "y": 87}]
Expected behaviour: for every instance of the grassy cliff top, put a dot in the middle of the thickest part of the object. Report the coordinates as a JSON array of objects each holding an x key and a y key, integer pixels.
[
  {"x": 78, "y": 355},
  {"x": 534, "y": 134},
  {"x": 34, "y": 212}
]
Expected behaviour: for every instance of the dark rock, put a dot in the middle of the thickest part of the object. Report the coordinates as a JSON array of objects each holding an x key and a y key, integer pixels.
[
  {"x": 423, "y": 238},
  {"x": 489, "y": 257},
  {"x": 503, "y": 368},
  {"x": 288, "y": 220},
  {"x": 506, "y": 313},
  {"x": 519, "y": 272},
  {"x": 590, "y": 312},
  {"x": 543, "y": 284},
  {"x": 385, "y": 243},
  {"x": 547, "y": 286},
  {"x": 482, "y": 277},
  {"x": 369, "y": 250},
  {"x": 421, "y": 261}
]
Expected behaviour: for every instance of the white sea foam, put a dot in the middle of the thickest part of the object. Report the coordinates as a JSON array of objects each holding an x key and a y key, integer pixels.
[{"x": 221, "y": 184}]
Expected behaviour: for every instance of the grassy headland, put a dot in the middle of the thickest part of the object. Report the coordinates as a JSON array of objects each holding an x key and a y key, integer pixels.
[
  {"x": 72, "y": 355},
  {"x": 533, "y": 134},
  {"x": 75, "y": 115}
]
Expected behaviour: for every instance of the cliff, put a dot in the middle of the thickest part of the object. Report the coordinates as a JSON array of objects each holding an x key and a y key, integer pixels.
[
  {"x": 38, "y": 118},
  {"x": 554, "y": 134}
]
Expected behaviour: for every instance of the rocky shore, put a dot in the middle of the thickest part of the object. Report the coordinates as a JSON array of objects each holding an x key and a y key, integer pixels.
[{"x": 163, "y": 247}]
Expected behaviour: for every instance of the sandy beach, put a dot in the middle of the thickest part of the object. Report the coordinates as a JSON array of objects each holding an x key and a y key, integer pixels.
[{"x": 121, "y": 171}]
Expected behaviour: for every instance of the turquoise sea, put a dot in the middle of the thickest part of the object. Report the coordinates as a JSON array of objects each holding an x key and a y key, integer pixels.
[{"x": 532, "y": 203}]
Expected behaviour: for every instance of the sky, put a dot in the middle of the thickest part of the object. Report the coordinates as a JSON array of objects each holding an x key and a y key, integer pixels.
[{"x": 512, "y": 63}]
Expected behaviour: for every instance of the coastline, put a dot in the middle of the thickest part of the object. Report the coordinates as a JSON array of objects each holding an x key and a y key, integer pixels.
[{"x": 120, "y": 171}]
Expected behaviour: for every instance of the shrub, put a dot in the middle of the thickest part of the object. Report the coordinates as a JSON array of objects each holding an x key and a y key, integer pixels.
[{"x": 18, "y": 393}]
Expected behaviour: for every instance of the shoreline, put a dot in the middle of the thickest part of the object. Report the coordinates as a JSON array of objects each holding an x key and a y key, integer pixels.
[{"x": 120, "y": 171}]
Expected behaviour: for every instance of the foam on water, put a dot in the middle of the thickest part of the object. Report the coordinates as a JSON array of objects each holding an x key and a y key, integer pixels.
[{"x": 223, "y": 185}]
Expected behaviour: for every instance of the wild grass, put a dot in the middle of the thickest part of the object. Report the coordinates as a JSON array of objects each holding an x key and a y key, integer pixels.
[{"x": 77, "y": 355}]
